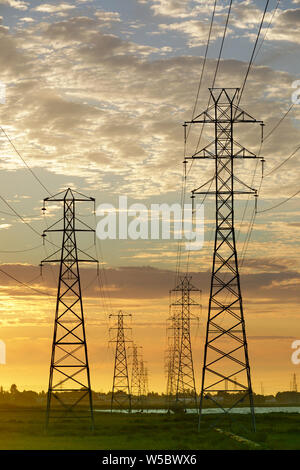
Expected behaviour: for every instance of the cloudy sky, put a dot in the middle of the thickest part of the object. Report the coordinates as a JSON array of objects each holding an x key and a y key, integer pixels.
[{"x": 95, "y": 96}]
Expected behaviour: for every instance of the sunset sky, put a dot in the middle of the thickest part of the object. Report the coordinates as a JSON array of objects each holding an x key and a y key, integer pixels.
[{"x": 96, "y": 95}]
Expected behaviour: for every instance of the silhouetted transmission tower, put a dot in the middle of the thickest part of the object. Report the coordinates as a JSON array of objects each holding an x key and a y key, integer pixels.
[
  {"x": 143, "y": 383},
  {"x": 121, "y": 396},
  {"x": 69, "y": 381},
  {"x": 172, "y": 353},
  {"x": 294, "y": 387},
  {"x": 135, "y": 387},
  {"x": 184, "y": 375},
  {"x": 226, "y": 351}
]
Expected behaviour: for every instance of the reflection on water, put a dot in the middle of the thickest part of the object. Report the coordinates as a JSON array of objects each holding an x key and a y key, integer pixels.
[{"x": 258, "y": 410}]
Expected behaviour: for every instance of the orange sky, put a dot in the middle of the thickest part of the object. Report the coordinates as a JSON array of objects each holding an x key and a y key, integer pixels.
[
  {"x": 27, "y": 332},
  {"x": 95, "y": 98}
]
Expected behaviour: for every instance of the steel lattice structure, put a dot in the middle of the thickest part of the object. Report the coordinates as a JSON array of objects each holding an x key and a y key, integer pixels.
[
  {"x": 135, "y": 385},
  {"x": 146, "y": 380},
  {"x": 184, "y": 369},
  {"x": 69, "y": 381},
  {"x": 226, "y": 358},
  {"x": 121, "y": 396},
  {"x": 294, "y": 385},
  {"x": 172, "y": 354},
  {"x": 143, "y": 383}
]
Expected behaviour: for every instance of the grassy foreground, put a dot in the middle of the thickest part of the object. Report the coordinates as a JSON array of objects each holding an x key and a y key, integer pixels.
[{"x": 24, "y": 429}]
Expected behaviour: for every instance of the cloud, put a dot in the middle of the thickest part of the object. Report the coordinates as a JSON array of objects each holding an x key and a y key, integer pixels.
[
  {"x": 108, "y": 16},
  {"x": 145, "y": 282},
  {"x": 27, "y": 19},
  {"x": 246, "y": 15},
  {"x": 12, "y": 61},
  {"x": 175, "y": 8},
  {"x": 180, "y": 8},
  {"x": 17, "y": 4},
  {"x": 51, "y": 8},
  {"x": 63, "y": 33},
  {"x": 286, "y": 27},
  {"x": 196, "y": 30},
  {"x": 71, "y": 83}
]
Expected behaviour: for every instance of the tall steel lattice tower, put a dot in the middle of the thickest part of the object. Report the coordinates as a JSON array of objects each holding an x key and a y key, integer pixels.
[
  {"x": 69, "y": 382},
  {"x": 135, "y": 385},
  {"x": 143, "y": 383},
  {"x": 172, "y": 353},
  {"x": 121, "y": 396},
  {"x": 294, "y": 385},
  {"x": 184, "y": 370},
  {"x": 226, "y": 352}
]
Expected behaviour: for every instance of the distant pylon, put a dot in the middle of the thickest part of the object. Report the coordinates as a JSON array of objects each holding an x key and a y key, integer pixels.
[
  {"x": 184, "y": 370},
  {"x": 146, "y": 380},
  {"x": 69, "y": 381},
  {"x": 135, "y": 388},
  {"x": 143, "y": 376},
  {"x": 294, "y": 383},
  {"x": 172, "y": 353},
  {"x": 121, "y": 396},
  {"x": 226, "y": 349}
]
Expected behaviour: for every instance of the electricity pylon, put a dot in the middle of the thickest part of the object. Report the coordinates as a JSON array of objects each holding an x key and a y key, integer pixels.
[
  {"x": 294, "y": 386},
  {"x": 226, "y": 350},
  {"x": 143, "y": 383},
  {"x": 146, "y": 380},
  {"x": 184, "y": 370},
  {"x": 69, "y": 381},
  {"x": 172, "y": 353},
  {"x": 170, "y": 376},
  {"x": 121, "y": 396},
  {"x": 135, "y": 388}
]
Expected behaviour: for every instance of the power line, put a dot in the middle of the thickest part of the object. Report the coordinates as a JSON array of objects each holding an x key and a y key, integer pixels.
[
  {"x": 222, "y": 43},
  {"x": 280, "y": 203},
  {"x": 23, "y": 283},
  {"x": 213, "y": 83},
  {"x": 204, "y": 63},
  {"x": 245, "y": 79},
  {"x": 21, "y": 251},
  {"x": 253, "y": 52},
  {"x": 184, "y": 176},
  {"x": 279, "y": 122},
  {"x": 270, "y": 22},
  {"x": 215, "y": 74},
  {"x": 102, "y": 280},
  {"x": 284, "y": 161},
  {"x": 25, "y": 163},
  {"x": 23, "y": 219},
  {"x": 13, "y": 215},
  {"x": 252, "y": 220},
  {"x": 201, "y": 132},
  {"x": 252, "y": 58},
  {"x": 19, "y": 216}
]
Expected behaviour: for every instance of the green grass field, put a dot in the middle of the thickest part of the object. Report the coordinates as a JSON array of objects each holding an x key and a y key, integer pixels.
[{"x": 24, "y": 429}]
